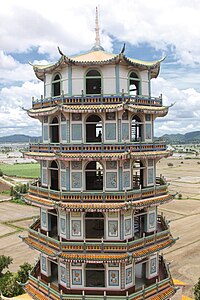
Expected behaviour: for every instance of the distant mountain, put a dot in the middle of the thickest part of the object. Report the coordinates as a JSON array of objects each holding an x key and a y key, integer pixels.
[
  {"x": 18, "y": 138},
  {"x": 189, "y": 137}
]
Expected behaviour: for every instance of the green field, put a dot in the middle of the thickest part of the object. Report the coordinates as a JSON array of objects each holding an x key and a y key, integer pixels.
[{"x": 21, "y": 170}]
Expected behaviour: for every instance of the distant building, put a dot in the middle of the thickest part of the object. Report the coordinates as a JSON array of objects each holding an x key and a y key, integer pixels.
[{"x": 99, "y": 233}]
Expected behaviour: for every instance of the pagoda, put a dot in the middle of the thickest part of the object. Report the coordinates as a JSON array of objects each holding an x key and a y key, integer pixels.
[{"x": 99, "y": 234}]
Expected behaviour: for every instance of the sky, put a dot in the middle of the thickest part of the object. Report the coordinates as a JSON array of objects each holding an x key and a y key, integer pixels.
[{"x": 31, "y": 31}]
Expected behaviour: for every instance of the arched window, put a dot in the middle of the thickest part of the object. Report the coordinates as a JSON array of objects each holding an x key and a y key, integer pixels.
[
  {"x": 54, "y": 175},
  {"x": 56, "y": 85},
  {"x": 138, "y": 174},
  {"x": 93, "y": 82},
  {"x": 94, "y": 225},
  {"x": 93, "y": 129},
  {"x": 94, "y": 176},
  {"x": 54, "y": 130},
  {"x": 136, "y": 129},
  {"x": 95, "y": 275},
  {"x": 134, "y": 84}
]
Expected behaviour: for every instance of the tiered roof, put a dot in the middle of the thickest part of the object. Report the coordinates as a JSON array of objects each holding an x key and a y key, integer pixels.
[
  {"x": 70, "y": 108},
  {"x": 137, "y": 204},
  {"x": 98, "y": 57}
]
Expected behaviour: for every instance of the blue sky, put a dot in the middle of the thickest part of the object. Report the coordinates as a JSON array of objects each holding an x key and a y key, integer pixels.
[{"x": 32, "y": 30}]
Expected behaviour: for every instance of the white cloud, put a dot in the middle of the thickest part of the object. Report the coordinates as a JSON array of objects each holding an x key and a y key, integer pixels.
[
  {"x": 7, "y": 62},
  {"x": 70, "y": 25},
  {"x": 13, "y": 119},
  {"x": 44, "y": 25},
  {"x": 11, "y": 70},
  {"x": 184, "y": 115}
]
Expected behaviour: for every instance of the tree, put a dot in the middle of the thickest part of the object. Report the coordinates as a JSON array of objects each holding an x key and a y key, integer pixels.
[
  {"x": 197, "y": 290},
  {"x": 9, "y": 282},
  {"x": 22, "y": 274},
  {"x": 17, "y": 190},
  {"x": 9, "y": 286},
  {"x": 5, "y": 261}
]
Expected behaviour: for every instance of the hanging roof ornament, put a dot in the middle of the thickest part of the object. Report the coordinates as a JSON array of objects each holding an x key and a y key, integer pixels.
[{"x": 97, "y": 46}]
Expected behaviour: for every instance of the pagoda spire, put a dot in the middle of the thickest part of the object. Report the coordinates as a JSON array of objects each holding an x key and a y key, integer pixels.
[
  {"x": 97, "y": 46},
  {"x": 97, "y": 38}
]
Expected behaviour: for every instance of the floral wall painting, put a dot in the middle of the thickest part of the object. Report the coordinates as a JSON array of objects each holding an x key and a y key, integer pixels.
[
  {"x": 44, "y": 263},
  {"x": 76, "y": 228},
  {"x": 113, "y": 277},
  {"x": 129, "y": 275},
  {"x": 127, "y": 226},
  {"x": 153, "y": 265},
  {"x": 77, "y": 277},
  {"x": 111, "y": 179},
  {"x": 113, "y": 228},
  {"x": 76, "y": 179},
  {"x": 152, "y": 220},
  {"x": 62, "y": 274},
  {"x": 62, "y": 225},
  {"x": 44, "y": 219}
]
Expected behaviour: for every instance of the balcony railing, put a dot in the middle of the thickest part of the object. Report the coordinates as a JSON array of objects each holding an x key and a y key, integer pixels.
[
  {"x": 96, "y": 148},
  {"x": 161, "y": 188},
  {"x": 96, "y": 99},
  {"x": 162, "y": 234},
  {"x": 163, "y": 288}
]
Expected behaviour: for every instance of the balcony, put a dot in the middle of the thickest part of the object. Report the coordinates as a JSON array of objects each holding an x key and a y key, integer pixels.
[
  {"x": 160, "y": 288},
  {"x": 96, "y": 148},
  {"x": 95, "y": 100},
  {"x": 161, "y": 188},
  {"x": 92, "y": 250}
]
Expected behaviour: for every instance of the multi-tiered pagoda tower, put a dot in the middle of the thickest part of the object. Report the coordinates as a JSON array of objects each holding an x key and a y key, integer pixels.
[{"x": 99, "y": 233}]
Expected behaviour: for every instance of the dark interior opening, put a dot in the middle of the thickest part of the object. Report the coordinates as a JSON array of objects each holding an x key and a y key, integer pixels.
[
  {"x": 95, "y": 275},
  {"x": 93, "y": 129},
  {"x": 56, "y": 86},
  {"x": 54, "y": 130},
  {"x": 139, "y": 225},
  {"x": 54, "y": 272},
  {"x": 136, "y": 129},
  {"x": 53, "y": 225},
  {"x": 54, "y": 176},
  {"x": 94, "y": 225},
  {"x": 93, "y": 83},
  {"x": 94, "y": 176},
  {"x": 134, "y": 84},
  {"x": 138, "y": 174}
]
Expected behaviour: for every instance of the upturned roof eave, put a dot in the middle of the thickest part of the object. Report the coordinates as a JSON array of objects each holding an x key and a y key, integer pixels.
[
  {"x": 163, "y": 110},
  {"x": 154, "y": 66}
]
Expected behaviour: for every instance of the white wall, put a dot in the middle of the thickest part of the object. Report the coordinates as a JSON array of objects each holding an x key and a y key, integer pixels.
[
  {"x": 108, "y": 82},
  {"x": 78, "y": 73},
  {"x": 145, "y": 86},
  {"x": 123, "y": 76}
]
